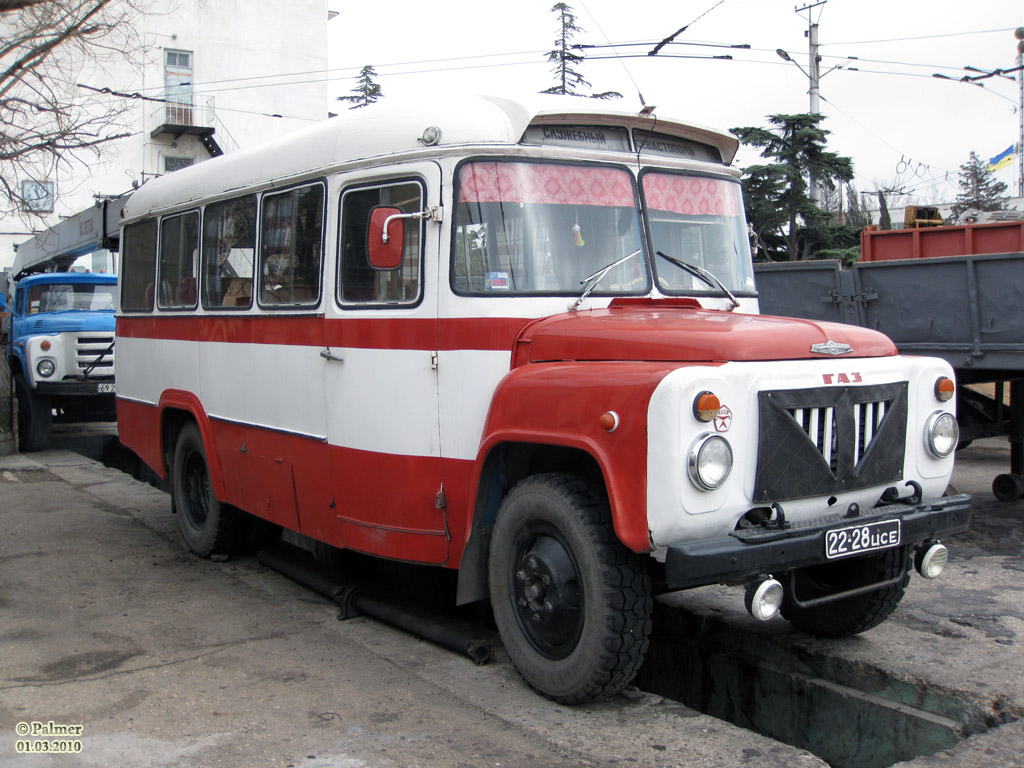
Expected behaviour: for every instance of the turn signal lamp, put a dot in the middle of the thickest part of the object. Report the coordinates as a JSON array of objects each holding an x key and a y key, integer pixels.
[
  {"x": 944, "y": 389},
  {"x": 609, "y": 421},
  {"x": 44, "y": 345},
  {"x": 706, "y": 406}
]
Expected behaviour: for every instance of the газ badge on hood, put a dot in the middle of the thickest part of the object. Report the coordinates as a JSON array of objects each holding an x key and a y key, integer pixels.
[{"x": 833, "y": 348}]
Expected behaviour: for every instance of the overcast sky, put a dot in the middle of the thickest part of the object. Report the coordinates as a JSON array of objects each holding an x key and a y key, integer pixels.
[{"x": 901, "y": 126}]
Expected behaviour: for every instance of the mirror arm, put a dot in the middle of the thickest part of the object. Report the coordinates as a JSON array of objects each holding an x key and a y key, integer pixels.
[{"x": 433, "y": 214}]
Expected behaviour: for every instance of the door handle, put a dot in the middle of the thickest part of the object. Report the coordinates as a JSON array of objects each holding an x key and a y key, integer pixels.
[{"x": 327, "y": 355}]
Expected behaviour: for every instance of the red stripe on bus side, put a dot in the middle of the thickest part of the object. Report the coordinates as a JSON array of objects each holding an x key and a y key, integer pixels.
[{"x": 497, "y": 333}]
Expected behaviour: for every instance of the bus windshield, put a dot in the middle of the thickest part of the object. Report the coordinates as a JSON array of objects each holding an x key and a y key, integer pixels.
[
  {"x": 542, "y": 228},
  {"x": 697, "y": 220}
]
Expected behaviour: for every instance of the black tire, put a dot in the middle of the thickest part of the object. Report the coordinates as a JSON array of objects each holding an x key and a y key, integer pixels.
[
  {"x": 572, "y": 604},
  {"x": 35, "y": 416},
  {"x": 207, "y": 526},
  {"x": 854, "y": 614}
]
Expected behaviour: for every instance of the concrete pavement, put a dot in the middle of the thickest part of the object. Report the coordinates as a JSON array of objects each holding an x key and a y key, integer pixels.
[{"x": 165, "y": 659}]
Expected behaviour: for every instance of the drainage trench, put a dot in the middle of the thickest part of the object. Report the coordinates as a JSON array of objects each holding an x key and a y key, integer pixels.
[
  {"x": 852, "y": 715},
  {"x": 765, "y": 679}
]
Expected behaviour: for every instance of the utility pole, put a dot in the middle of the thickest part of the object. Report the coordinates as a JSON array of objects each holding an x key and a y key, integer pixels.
[
  {"x": 814, "y": 75},
  {"x": 1019, "y": 34}
]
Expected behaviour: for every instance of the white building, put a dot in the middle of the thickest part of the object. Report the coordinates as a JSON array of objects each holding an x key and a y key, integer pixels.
[{"x": 231, "y": 74}]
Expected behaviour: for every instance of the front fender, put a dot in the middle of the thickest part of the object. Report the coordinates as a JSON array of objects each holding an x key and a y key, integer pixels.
[{"x": 560, "y": 404}]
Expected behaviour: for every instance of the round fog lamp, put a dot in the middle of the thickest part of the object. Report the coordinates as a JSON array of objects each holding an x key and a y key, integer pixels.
[
  {"x": 941, "y": 434},
  {"x": 763, "y": 598},
  {"x": 710, "y": 462},
  {"x": 45, "y": 367},
  {"x": 931, "y": 561}
]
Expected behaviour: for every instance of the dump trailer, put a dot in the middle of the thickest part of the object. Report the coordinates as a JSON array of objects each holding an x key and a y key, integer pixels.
[{"x": 955, "y": 292}]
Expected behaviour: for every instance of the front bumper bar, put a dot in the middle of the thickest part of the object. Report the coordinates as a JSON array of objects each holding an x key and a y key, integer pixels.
[{"x": 757, "y": 551}]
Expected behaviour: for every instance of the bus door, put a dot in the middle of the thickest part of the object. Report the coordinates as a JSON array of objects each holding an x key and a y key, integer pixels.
[{"x": 380, "y": 359}]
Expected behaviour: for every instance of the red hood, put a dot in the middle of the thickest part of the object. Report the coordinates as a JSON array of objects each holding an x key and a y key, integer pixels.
[{"x": 680, "y": 331}]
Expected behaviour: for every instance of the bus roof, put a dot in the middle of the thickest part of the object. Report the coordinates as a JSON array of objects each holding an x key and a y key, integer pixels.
[{"x": 396, "y": 128}]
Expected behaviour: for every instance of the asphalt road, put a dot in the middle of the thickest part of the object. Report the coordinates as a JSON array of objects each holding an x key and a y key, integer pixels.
[{"x": 164, "y": 659}]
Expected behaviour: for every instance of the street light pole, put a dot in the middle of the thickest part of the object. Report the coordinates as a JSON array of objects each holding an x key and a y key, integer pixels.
[{"x": 1019, "y": 34}]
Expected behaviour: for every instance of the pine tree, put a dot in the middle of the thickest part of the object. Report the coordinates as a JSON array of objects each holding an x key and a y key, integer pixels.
[
  {"x": 568, "y": 79},
  {"x": 979, "y": 189},
  {"x": 367, "y": 90},
  {"x": 796, "y": 144}
]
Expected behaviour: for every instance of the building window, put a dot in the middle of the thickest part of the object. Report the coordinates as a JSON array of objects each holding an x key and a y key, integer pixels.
[
  {"x": 178, "y": 87},
  {"x": 37, "y": 196},
  {"x": 176, "y": 163}
]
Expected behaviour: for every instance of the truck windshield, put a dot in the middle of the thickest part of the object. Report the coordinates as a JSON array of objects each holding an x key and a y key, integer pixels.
[
  {"x": 542, "y": 228},
  {"x": 61, "y": 297},
  {"x": 698, "y": 220}
]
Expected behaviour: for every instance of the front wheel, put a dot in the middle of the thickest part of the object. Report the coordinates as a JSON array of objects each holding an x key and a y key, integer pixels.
[
  {"x": 851, "y": 615},
  {"x": 207, "y": 526},
  {"x": 35, "y": 416},
  {"x": 572, "y": 604}
]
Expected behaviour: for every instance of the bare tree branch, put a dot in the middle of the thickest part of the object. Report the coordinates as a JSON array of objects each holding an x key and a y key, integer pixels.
[{"x": 47, "y": 122}]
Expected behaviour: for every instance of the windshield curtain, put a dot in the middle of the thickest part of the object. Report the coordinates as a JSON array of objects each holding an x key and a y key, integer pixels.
[
  {"x": 699, "y": 220},
  {"x": 541, "y": 228}
]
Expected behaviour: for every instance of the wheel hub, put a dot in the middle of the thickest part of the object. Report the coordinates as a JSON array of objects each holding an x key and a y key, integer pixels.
[{"x": 547, "y": 595}]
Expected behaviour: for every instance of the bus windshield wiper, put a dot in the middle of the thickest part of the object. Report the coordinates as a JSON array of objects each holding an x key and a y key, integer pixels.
[
  {"x": 702, "y": 274},
  {"x": 590, "y": 282}
]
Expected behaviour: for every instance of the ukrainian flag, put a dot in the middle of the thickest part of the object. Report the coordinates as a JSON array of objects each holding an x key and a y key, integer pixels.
[{"x": 1001, "y": 160}]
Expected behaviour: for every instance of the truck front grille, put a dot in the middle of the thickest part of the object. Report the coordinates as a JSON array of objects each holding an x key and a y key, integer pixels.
[
  {"x": 821, "y": 441},
  {"x": 89, "y": 354}
]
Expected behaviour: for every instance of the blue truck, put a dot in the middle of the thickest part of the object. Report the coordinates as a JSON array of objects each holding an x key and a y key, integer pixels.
[{"x": 61, "y": 351}]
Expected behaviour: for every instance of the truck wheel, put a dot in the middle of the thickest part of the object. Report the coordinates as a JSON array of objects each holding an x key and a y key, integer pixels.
[
  {"x": 854, "y": 614},
  {"x": 35, "y": 416},
  {"x": 572, "y": 604},
  {"x": 207, "y": 525}
]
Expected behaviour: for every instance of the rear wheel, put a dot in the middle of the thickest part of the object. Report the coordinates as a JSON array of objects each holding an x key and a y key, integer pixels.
[
  {"x": 206, "y": 525},
  {"x": 35, "y": 416},
  {"x": 572, "y": 604},
  {"x": 852, "y": 615}
]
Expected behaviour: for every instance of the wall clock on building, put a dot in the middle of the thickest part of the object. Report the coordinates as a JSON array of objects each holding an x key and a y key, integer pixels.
[{"x": 37, "y": 196}]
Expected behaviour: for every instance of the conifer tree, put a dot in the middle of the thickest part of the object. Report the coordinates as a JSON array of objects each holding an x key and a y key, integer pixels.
[
  {"x": 367, "y": 89},
  {"x": 979, "y": 188},
  {"x": 568, "y": 79}
]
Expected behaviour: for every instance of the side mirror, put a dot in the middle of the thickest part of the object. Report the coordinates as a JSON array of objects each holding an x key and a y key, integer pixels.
[{"x": 386, "y": 246}]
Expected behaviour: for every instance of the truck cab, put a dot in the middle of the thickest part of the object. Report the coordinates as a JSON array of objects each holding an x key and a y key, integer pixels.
[{"x": 61, "y": 351}]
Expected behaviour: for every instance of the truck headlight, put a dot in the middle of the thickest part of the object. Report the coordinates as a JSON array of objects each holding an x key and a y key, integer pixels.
[
  {"x": 45, "y": 367},
  {"x": 709, "y": 462},
  {"x": 941, "y": 434}
]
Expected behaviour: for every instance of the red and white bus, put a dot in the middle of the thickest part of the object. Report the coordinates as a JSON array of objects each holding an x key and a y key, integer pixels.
[{"x": 521, "y": 341}]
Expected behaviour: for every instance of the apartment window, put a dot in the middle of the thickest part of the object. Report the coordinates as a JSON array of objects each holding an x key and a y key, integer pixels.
[
  {"x": 178, "y": 87},
  {"x": 176, "y": 163}
]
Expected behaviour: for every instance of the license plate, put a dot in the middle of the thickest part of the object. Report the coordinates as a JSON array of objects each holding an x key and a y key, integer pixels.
[
  {"x": 104, "y": 388},
  {"x": 843, "y": 542}
]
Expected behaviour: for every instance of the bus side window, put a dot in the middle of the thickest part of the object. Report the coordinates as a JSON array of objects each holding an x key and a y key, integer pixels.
[
  {"x": 291, "y": 242},
  {"x": 138, "y": 268},
  {"x": 358, "y": 281},
  {"x": 179, "y": 250},
  {"x": 229, "y": 245}
]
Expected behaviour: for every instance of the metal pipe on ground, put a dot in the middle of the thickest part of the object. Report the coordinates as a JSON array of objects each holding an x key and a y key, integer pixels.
[{"x": 295, "y": 564}]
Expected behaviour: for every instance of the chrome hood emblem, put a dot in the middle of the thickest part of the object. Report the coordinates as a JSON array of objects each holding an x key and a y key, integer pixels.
[{"x": 832, "y": 348}]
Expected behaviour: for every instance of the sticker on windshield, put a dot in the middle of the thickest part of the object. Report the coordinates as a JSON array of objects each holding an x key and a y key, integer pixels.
[{"x": 497, "y": 281}]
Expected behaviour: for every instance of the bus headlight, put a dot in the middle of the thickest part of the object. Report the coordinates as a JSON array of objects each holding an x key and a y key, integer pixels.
[
  {"x": 45, "y": 367},
  {"x": 941, "y": 434},
  {"x": 709, "y": 462}
]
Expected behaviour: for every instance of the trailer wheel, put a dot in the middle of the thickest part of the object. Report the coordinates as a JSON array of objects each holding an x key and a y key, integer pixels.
[
  {"x": 854, "y": 614},
  {"x": 35, "y": 416},
  {"x": 572, "y": 604},
  {"x": 207, "y": 525}
]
